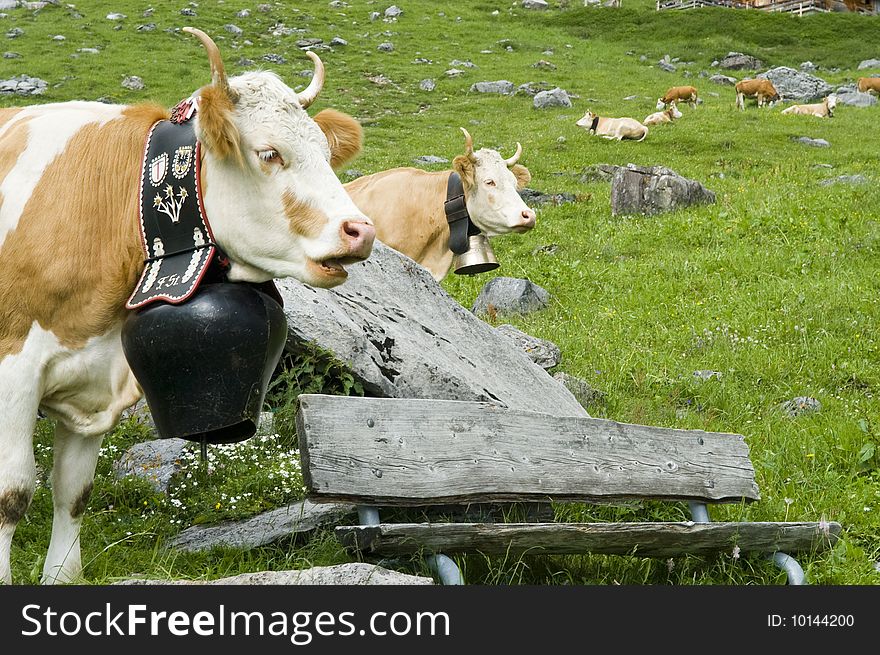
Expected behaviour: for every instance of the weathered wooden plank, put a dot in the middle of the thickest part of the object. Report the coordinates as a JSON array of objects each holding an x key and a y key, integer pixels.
[
  {"x": 642, "y": 539},
  {"x": 395, "y": 451}
]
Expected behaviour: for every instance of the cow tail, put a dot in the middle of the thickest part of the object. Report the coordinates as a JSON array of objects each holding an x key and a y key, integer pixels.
[{"x": 645, "y": 134}]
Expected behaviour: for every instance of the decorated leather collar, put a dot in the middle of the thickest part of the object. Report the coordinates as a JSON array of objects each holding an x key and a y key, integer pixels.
[
  {"x": 460, "y": 224},
  {"x": 175, "y": 234}
]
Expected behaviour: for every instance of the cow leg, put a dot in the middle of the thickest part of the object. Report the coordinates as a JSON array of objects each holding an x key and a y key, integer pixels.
[
  {"x": 18, "y": 478},
  {"x": 73, "y": 474}
]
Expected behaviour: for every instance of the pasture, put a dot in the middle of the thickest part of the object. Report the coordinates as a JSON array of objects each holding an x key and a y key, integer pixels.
[{"x": 774, "y": 287}]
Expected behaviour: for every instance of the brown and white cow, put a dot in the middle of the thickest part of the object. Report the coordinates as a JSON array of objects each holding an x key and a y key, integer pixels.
[
  {"x": 760, "y": 89},
  {"x": 407, "y": 204},
  {"x": 869, "y": 85},
  {"x": 668, "y": 115},
  {"x": 613, "y": 128},
  {"x": 824, "y": 109},
  {"x": 70, "y": 256},
  {"x": 676, "y": 94}
]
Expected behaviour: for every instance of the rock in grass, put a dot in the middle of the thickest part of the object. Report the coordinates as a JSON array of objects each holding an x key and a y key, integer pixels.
[
  {"x": 505, "y": 296},
  {"x": 355, "y": 573},
  {"x": 800, "y": 406}
]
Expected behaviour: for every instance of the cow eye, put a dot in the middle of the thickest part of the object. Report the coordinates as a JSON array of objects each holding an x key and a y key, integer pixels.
[
  {"x": 270, "y": 156},
  {"x": 490, "y": 182}
]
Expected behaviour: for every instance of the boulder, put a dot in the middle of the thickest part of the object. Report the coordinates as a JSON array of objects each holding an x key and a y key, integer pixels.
[
  {"x": 403, "y": 336},
  {"x": 797, "y": 85},
  {"x": 155, "y": 461},
  {"x": 510, "y": 296},
  {"x": 655, "y": 189},
  {"x": 501, "y": 86},
  {"x": 355, "y": 573},
  {"x": 869, "y": 63},
  {"x": 851, "y": 96},
  {"x": 553, "y": 98},
  {"x": 740, "y": 61}
]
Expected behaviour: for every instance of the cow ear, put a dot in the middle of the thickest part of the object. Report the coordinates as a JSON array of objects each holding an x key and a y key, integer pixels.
[
  {"x": 344, "y": 135},
  {"x": 217, "y": 129},
  {"x": 522, "y": 175},
  {"x": 463, "y": 165}
]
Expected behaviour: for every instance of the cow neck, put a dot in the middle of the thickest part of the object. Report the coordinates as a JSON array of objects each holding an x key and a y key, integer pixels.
[
  {"x": 176, "y": 237},
  {"x": 460, "y": 225},
  {"x": 594, "y": 124}
]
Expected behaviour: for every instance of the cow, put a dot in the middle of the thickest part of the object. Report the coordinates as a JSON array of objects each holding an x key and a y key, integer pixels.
[
  {"x": 406, "y": 204},
  {"x": 686, "y": 94},
  {"x": 71, "y": 255},
  {"x": 824, "y": 109},
  {"x": 760, "y": 89},
  {"x": 668, "y": 115},
  {"x": 869, "y": 85},
  {"x": 613, "y": 128}
]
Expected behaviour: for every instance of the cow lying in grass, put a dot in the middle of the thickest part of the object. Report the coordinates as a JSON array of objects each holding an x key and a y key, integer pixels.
[
  {"x": 613, "y": 128},
  {"x": 407, "y": 204},
  {"x": 668, "y": 115},
  {"x": 686, "y": 94},
  {"x": 824, "y": 109}
]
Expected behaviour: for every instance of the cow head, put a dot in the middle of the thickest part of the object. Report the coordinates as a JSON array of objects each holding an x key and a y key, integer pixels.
[
  {"x": 831, "y": 101},
  {"x": 491, "y": 188},
  {"x": 587, "y": 121},
  {"x": 275, "y": 205},
  {"x": 660, "y": 104},
  {"x": 674, "y": 111}
]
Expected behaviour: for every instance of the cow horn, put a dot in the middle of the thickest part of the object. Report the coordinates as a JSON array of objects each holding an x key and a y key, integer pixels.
[
  {"x": 468, "y": 144},
  {"x": 311, "y": 92},
  {"x": 218, "y": 71},
  {"x": 511, "y": 161}
]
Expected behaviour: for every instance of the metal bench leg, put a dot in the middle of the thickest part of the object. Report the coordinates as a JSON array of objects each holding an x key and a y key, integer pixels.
[
  {"x": 442, "y": 565},
  {"x": 447, "y": 569},
  {"x": 796, "y": 576},
  {"x": 789, "y": 564}
]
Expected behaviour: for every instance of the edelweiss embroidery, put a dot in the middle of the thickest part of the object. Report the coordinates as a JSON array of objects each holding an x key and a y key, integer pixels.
[{"x": 171, "y": 205}]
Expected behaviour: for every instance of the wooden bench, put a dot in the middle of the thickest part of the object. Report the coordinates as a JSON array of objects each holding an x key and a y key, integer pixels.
[{"x": 384, "y": 452}]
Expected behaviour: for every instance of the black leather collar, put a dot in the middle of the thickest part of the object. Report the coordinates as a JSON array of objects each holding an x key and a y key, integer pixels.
[
  {"x": 460, "y": 224},
  {"x": 594, "y": 124}
]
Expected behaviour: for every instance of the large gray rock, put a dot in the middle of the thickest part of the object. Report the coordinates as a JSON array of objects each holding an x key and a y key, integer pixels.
[
  {"x": 500, "y": 86},
  {"x": 849, "y": 95},
  {"x": 268, "y": 527},
  {"x": 155, "y": 461},
  {"x": 655, "y": 189},
  {"x": 506, "y": 296},
  {"x": 739, "y": 61},
  {"x": 797, "y": 85},
  {"x": 553, "y": 98},
  {"x": 544, "y": 353},
  {"x": 869, "y": 63},
  {"x": 403, "y": 336},
  {"x": 355, "y": 573}
]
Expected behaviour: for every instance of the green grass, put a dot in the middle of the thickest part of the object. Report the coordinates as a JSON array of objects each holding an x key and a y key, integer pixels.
[{"x": 775, "y": 285}]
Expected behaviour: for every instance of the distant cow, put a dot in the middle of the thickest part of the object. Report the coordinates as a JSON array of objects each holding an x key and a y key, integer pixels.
[
  {"x": 869, "y": 85},
  {"x": 668, "y": 115},
  {"x": 613, "y": 128},
  {"x": 760, "y": 89},
  {"x": 407, "y": 204},
  {"x": 686, "y": 94},
  {"x": 824, "y": 109},
  {"x": 71, "y": 254}
]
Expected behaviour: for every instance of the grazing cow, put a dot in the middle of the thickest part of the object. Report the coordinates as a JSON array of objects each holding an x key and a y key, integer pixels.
[
  {"x": 760, "y": 89},
  {"x": 613, "y": 128},
  {"x": 407, "y": 204},
  {"x": 71, "y": 256},
  {"x": 668, "y": 115},
  {"x": 869, "y": 85},
  {"x": 686, "y": 94},
  {"x": 824, "y": 109}
]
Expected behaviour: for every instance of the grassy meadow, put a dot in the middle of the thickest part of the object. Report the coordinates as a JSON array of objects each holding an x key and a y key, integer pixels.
[{"x": 774, "y": 286}]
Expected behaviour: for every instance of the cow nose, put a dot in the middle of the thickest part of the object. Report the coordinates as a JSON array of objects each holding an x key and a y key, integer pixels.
[
  {"x": 528, "y": 216},
  {"x": 359, "y": 236}
]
